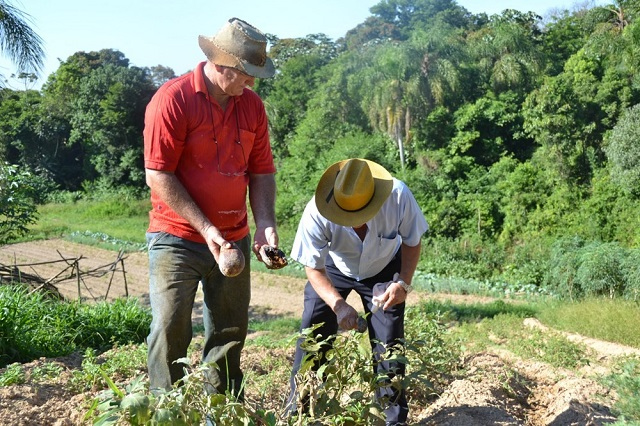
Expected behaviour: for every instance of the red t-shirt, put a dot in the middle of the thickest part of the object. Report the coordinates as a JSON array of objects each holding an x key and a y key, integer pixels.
[{"x": 180, "y": 122}]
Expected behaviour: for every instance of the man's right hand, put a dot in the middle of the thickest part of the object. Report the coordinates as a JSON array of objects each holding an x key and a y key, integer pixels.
[
  {"x": 214, "y": 240},
  {"x": 347, "y": 316}
]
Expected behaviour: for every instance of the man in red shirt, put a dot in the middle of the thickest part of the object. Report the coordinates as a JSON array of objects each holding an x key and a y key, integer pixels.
[{"x": 206, "y": 145}]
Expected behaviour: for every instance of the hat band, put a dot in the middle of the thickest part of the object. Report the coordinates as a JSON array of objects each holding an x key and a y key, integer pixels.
[
  {"x": 254, "y": 58},
  {"x": 330, "y": 196}
]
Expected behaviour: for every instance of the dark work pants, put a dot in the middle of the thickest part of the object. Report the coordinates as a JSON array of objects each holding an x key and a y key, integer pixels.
[
  {"x": 384, "y": 326},
  {"x": 176, "y": 268}
]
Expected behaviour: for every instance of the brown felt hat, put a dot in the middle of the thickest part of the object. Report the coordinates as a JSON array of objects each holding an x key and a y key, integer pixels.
[
  {"x": 350, "y": 192},
  {"x": 239, "y": 45}
]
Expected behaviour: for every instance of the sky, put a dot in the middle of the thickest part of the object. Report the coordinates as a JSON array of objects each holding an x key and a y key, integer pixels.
[{"x": 163, "y": 32}]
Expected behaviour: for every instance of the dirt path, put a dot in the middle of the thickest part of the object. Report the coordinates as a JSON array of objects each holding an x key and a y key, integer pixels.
[
  {"x": 271, "y": 294},
  {"x": 498, "y": 388}
]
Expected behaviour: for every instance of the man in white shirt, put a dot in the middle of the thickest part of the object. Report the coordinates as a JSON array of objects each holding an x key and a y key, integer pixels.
[{"x": 363, "y": 227}]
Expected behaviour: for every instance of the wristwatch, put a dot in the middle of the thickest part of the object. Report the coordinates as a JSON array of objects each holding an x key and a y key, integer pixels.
[{"x": 406, "y": 287}]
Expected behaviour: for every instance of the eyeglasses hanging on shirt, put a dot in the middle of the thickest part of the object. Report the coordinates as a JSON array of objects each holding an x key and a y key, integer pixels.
[{"x": 230, "y": 168}]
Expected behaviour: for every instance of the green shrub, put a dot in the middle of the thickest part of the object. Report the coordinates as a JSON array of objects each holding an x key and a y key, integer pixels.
[
  {"x": 432, "y": 357},
  {"x": 342, "y": 390},
  {"x": 187, "y": 404},
  {"x": 526, "y": 262},
  {"x": 33, "y": 325},
  {"x": 577, "y": 269},
  {"x": 20, "y": 192},
  {"x": 600, "y": 269},
  {"x": 122, "y": 321},
  {"x": 631, "y": 269},
  {"x": 562, "y": 270},
  {"x": 469, "y": 257}
]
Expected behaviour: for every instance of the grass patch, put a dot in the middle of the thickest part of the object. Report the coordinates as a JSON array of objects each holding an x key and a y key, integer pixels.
[
  {"x": 104, "y": 241},
  {"x": 598, "y": 318},
  {"x": 474, "y": 312},
  {"x": 613, "y": 320},
  {"x": 508, "y": 332},
  {"x": 274, "y": 333},
  {"x": 32, "y": 326},
  {"x": 13, "y": 375},
  {"x": 270, "y": 333},
  {"x": 121, "y": 219},
  {"x": 115, "y": 221},
  {"x": 482, "y": 326},
  {"x": 16, "y": 374}
]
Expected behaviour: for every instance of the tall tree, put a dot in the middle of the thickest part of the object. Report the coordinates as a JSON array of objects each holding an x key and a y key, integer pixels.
[
  {"x": 64, "y": 84},
  {"x": 571, "y": 112},
  {"x": 563, "y": 35},
  {"x": 409, "y": 15},
  {"x": 623, "y": 151},
  {"x": 288, "y": 96},
  {"x": 298, "y": 61},
  {"x": 33, "y": 138},
  {"x": 107, "y": 120},
  {"x": 160, "y": 74},
  {"x": 373, "y": 29}
]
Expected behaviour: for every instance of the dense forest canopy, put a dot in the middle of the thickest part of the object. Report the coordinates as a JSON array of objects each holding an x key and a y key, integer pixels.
[{"x": 519, "y": 136}]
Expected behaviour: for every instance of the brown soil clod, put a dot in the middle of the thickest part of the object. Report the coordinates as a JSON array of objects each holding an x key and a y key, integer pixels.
[
  {"x": 273, "y": 257},
  {"x": 362, "y": 325}
]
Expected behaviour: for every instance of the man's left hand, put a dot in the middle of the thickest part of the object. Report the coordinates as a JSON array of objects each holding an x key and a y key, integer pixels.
[
  {"x": 264, "y": 236},
  {"x": 394, "y": 295}
]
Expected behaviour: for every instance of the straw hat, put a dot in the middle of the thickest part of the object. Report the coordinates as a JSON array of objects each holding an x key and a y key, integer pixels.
[
  {"x": 239, "y": 45},
  {"x": 350, "y": 192}
]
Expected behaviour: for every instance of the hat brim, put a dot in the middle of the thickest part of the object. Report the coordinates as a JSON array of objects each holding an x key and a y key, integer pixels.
[
  {"x": 326, "y": 202},
  {"x": 220, "y": 57}
]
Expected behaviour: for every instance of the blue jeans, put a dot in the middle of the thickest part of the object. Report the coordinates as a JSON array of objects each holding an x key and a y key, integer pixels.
[
  {"x": 176, "y": 268},
  {"x": 384, "y": 327}
]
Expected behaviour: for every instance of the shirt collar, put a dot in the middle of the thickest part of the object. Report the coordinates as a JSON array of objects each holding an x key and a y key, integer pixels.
[{"x": 198, "y": 78}]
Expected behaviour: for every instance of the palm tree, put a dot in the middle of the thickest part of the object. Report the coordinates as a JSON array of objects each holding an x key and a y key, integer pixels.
[
  {"x": 507, "y": 51},
  {"x": 18, "y": 41},
  {"x": 407, "y": 79},
  {"x": 442, "y": 54},
  {"x": 392, "y": 77}
]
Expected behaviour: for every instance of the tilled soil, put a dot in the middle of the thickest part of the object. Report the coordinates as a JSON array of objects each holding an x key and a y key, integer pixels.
[{"x": 498, "y": 388}]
